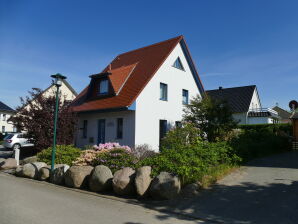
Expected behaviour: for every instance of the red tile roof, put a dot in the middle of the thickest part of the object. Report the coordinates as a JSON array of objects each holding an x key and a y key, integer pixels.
[{"x": 130, "y": 73}]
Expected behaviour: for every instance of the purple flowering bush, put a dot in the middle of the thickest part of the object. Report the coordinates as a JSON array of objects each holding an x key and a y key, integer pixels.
[{"x": 115, "y": 159}]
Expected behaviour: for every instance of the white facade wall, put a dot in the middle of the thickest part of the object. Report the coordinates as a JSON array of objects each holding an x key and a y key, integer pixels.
[
  {"x": 260, "y": 120},
  {"x": 150, "y": 109},
  {"x": 241, "y": 117},
  {"x": 255, "y": 101},
  {"x": 110, "y": 128},
  {"x": 8, "y": 126}
]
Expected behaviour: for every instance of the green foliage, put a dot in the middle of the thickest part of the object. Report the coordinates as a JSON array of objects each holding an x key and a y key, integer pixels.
[
  {"x": 115, "y": 159},
  {"x": 178, "y": 138},
  {"x": 65, "y": 154},
  {"x": 285, "y": 128},
  {"x": 192, "y": 163},
  {"x": 212, "y": 116},
  {"x": 261, "y": 140}
]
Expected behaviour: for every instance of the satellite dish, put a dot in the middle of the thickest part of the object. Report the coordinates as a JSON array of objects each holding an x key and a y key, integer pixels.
[{"x": 293, "y": 105}]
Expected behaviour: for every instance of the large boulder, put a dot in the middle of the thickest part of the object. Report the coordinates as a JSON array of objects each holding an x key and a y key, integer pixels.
[
  {"x": 191, "y": 190},
  {"x": 165, "y": 186},
  {"x": 123, "y": 181},
  {"x": 31, "y": 159},
  {"x": 143, "y": 180},
  {"x": 101, "y": 179},
  {"x": 78, "y": 176},
  {"x": 57, "y": 176},
  {"x": 19, "y": 171},
  {"x": 9, "y": 163},
  {"x": 2, "y": 160},
  {"x": 44, "y": 173},
  {"x": 31, "y": 170}
]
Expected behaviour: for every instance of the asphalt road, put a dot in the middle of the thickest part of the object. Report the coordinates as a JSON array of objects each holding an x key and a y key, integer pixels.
[
  {"x": 23, "y": 201},
  {"x": 264, "y": 191}
]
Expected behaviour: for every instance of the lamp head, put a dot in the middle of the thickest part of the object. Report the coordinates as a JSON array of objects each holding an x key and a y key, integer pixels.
[{"x": 58, "y": 79}]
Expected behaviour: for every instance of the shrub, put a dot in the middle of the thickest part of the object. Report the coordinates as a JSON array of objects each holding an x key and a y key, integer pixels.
[
  {"x": 115, "y": 159},
  {"x": 88, "y": 156},
  {"x": 260, "y": 140},
  {"x": 65, "y": 154},
  {"x": 193, "y": 162},
  {"x": 178, "y": 138},
  {"x": 143, "y": 151}
]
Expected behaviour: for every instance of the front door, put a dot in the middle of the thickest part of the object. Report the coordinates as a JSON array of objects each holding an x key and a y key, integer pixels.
[{"x": 101, "y": 131}]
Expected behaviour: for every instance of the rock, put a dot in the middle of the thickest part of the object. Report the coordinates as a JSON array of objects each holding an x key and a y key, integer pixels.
[
  {"x": 123, "y": 181},
  {"x": 31, "y": 170},
  {"x": 2, "y": 160},
  {"x": 101, "y": 179},
  {"x": 165, "y": 186},
  {"x": 57, "y": 177},
  {"x": 10, "y": 171},
  {"x": 78, "y": 176},
  {"x": 191, "y": 190},
  {"x": 44, "y": 173},
  {"x": 19, "y": 171},
  {"x": 9, "y": 163},
  {"x": 143, "y": 180},
  {"x": 31, "y": 159}
]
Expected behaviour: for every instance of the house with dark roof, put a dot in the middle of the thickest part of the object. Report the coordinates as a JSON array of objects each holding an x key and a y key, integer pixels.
[
  {"x": 284, "y": 116},
  {"x": 245, "y": 104},
  {"x": 138, "y": 96},
  {"x": 5, "y": 113}
]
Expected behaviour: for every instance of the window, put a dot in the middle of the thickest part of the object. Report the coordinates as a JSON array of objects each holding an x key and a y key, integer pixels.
[
  {"x": 178, "y": 64},
  {"x": 4, "y": 117},
  {"x": 163, "y": 92},
  {"x": 103, "y": 87},
  {"x": 119, "y": 128},
  {"x": 3, "y": 129},
  {"x": 185, "y": 97},
  {"x": 162, "y": 129},
  {"x": 85, "y": 126},
  {"x": 178, "y": 124}
]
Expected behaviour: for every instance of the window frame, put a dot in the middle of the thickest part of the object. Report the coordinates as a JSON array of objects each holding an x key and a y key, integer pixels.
[
  {"x": 163, "y": 91},
  {"x": 119, "y": 128},
  {"x": 187, "y": 97},
  {"x": 180, "y": 62},
  {"x": 85, "y": 129},
  {"x": 99, "y": 87}
]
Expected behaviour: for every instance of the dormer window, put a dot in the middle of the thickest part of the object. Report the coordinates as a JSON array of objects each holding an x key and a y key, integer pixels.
[
  {"x": 178, "y": 64},
  {"x": 103, "y": 87}
]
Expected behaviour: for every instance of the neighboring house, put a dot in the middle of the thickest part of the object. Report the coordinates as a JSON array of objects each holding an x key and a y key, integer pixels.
[
  {"x": 245, "y": 104},
  {"x": 284, "y": 116},
  {"x": 5, "y": 113},
  {"x": 67, "y": 93},
  {"x": 138, "y": 96}
]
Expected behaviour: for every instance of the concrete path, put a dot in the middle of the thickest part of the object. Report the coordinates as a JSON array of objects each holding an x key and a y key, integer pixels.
[
  {"x": 24, "y": 201},
  {"x": 264, "y": 191}
]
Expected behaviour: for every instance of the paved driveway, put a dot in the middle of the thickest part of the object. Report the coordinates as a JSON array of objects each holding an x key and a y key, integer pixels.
[{"x": 264, "y": 191}]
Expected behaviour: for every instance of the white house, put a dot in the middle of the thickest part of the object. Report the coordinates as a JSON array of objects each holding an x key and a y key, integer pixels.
[
  {"x": 138, "y": 96},
  {"x": 5, "y": 113},
  {"x": 245, "y": 104}
]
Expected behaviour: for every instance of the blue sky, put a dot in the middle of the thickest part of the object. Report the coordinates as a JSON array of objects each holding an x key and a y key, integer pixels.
[{"x": 233, "y": 42}]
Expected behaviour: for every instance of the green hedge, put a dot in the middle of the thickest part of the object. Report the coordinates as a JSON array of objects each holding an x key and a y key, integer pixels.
[
  {"x": 192, "y": 162},
  {"x": 65, "y": 154},
  {"x": 261, "y": 140}
]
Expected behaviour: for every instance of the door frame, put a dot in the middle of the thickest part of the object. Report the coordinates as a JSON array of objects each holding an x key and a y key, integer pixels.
[{"x": 101, "y": 133}]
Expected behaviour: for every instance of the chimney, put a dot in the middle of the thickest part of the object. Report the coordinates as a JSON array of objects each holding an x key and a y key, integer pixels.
[
  {"x": 110, "y": 67},
  {"x": 220, "y": 88}
]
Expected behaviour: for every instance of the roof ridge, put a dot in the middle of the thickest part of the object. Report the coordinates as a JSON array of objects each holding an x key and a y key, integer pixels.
[
  {"x": 231, "y": 88},
  {"x": 151, "y": 45}
]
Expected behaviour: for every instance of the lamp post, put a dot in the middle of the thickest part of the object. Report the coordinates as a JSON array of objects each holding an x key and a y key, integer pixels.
[{"x": 58, "y": 82}]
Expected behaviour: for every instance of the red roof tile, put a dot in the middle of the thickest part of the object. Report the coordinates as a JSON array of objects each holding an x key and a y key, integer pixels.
[{"x": 130, "y": 73}]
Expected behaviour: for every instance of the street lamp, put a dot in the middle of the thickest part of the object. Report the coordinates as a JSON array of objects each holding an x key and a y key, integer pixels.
[{"x": 58, "y": 78}]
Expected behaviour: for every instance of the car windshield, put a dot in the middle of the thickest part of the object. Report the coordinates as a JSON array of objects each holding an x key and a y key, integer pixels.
[{"x": 9, "y": 136}]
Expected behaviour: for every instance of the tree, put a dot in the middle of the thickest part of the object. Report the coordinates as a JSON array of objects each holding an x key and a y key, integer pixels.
[
  {"x": 212, "y": 116},
  {"x": 36, "y": 117}
]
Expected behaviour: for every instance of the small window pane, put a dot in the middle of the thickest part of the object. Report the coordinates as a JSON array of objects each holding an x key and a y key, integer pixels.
[
  {"x": 103, "y": 87},
  {"x": 178, "y": 64},
  {"x": 163, "y": 92},
  {"x": 85, "y": 126},
  {"x": 185, "y": 96},
  {"x": 120, "y": 128}
]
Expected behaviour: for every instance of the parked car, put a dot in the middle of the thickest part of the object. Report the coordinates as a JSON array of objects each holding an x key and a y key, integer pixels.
[{"x": 17, "y": 141}]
